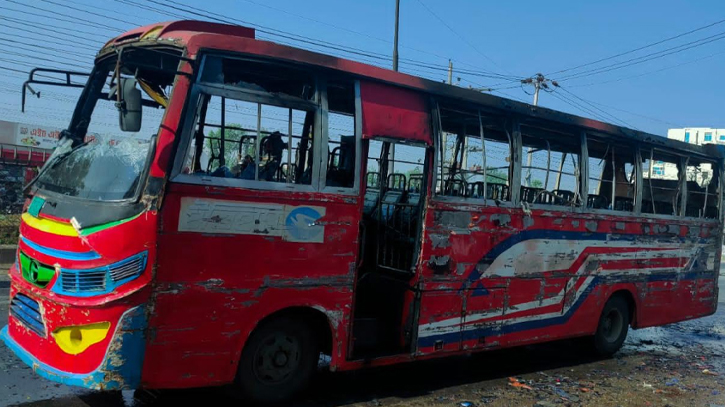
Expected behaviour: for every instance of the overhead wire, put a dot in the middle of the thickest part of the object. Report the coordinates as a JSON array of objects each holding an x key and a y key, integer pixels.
[
  {"x": 55, "y": 16},
  {"x": 646, "y": 58},
  {"x": 648, "y": 72},
  {"x": 639, "y": 48},
  {"x": 461, "y": 37}
]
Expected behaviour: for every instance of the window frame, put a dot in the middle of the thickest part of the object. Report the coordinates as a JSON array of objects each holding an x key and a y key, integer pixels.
[
  {"x": 320, "y": 154},
  {"x": 510, "y": 127}
]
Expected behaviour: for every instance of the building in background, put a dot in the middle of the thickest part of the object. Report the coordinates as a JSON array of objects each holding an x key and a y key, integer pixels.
[
  {"x": 23, "y": 150},
  {"x": 702, "y": 174}
]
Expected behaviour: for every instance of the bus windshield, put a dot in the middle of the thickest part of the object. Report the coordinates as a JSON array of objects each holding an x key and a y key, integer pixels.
[{"x": 95, "y": 159}]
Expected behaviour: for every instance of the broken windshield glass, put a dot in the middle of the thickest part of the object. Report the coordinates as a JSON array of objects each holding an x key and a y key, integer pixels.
[{"x": 103, "y": 170}]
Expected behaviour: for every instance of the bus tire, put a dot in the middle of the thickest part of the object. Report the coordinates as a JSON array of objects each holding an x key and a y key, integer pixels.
[
  {"x": 613, "y": 327},
  {"x": 278, "y": 361}
]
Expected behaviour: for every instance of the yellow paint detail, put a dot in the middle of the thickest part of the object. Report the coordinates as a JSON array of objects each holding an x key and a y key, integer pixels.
[
  {"x": 75, "y": 339},
  {"x": 152, "y": 33},
  {"x": 49, "y": 225}
]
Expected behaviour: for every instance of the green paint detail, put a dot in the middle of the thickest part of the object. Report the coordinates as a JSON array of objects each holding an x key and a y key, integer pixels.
[
  {"x": 36, "y": 205},
  {"x": 34, "y": 272},
  {"x": 94, "y": 229}
]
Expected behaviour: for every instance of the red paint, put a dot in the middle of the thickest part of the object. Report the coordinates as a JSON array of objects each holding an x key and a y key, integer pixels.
[{"x": 396, "y": 113}]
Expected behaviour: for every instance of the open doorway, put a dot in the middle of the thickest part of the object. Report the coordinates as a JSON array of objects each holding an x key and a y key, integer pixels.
[{"x": 385, "y": 296}]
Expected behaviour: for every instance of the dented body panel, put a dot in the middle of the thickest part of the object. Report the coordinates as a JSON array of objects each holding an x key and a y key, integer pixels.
[{"x": 521, "y": 278}]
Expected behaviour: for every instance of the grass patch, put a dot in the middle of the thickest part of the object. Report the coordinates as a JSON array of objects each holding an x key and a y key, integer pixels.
[{"x": 9, "y": 229}]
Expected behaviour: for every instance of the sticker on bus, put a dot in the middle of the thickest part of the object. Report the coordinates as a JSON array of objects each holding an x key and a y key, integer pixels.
[{"x": 291, "y": 223}]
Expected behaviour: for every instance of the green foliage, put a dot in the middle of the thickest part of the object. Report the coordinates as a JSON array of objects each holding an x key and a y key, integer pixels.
[
  {"x": 537, "y": 183},
  {"x": 231, "y": 144}
]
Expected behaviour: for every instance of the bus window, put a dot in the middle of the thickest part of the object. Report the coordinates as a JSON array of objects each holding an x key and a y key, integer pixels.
[
  {"x": 661, "y": 189},
  {"x": 550, "y": 170},
  {"x": 256, "y": 122},
  {"x": 702, "y": 190},
  {"x": 474, "y": 156},
  {"x": 611, "y": 164},
  {"x": 232, "y": 135},
  {"x": 341, "y": 141}
]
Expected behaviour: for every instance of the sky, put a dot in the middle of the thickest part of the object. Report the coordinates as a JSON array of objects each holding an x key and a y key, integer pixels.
[{"x": 505, "y": 40}]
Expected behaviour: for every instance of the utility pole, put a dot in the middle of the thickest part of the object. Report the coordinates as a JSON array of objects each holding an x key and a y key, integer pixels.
[
  {"x": 450, "y": 72},
  {"x": 539, "y": 82},
  {"x": 395, "y": 41}
]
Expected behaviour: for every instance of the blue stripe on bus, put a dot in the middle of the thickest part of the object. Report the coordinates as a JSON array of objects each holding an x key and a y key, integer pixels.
[
  {"x": 60, "y": 254},
  {"x": 455, "y": 336}
]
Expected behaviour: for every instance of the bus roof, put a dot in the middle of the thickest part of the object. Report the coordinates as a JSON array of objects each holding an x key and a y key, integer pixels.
[{"x": 198, "y": 35}]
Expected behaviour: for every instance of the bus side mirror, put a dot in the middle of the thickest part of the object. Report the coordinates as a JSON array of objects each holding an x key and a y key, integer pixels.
[{"x": 129, "y": 110}]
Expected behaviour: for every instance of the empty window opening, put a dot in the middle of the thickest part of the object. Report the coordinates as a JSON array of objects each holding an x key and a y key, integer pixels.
[
  {"x": 612, "y": 176},
  {"x": 661, "y": 177},
  {"x": 550, "y": 170},
  {"x": 474, "y": 156},
  {"x": 702, "y": 189},
  {"x": 341, "y": 142}
]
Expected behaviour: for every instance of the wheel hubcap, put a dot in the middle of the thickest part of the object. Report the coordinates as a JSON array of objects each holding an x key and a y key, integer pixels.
[
  {"x": 277, "y": 358},
  {"x": 612, "y": 325}
]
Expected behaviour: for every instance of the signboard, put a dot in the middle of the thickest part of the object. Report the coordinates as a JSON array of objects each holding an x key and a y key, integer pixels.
[
  {"x": 36, "y": 136},
  {"x": 44, "y": 137}
]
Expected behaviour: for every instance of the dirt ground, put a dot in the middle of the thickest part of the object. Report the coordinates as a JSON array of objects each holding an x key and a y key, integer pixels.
[{"x": 677, "y": 365}]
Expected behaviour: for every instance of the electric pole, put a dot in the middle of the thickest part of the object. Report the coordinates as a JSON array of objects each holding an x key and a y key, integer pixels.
[
  {"x": 450, "y": 72},
  {"x": 395, "y": 41},
  {"x": 539, "y": 82}
]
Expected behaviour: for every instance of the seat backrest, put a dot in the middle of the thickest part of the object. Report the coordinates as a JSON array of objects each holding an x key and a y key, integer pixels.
[
  {"x": 595, "y": 201},
  {"x": 529, "y": 194},
  {"x": 566, "y": 196},
  {"x": 497, "y": 191},
  {"x": 622, "y": 203}
]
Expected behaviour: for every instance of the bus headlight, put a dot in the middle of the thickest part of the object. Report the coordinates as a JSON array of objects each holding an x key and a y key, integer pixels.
[{"x": 75, "y": 339}]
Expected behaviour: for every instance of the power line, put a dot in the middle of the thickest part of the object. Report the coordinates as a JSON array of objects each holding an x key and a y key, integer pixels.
[
  {"x": 459, "y": 35},
  {"x": 86, "y": 11},
  {"x": 28, "y": 22},
  {"x": 640, "y": 48},
  {"x": 66, "y": 42},
  {"x": 648, "y": 72},
  {"x": 578, "y": 106},
  {"x": 55, "y": 14},
  {"x": 648, "y": 57},
  {"x": 598, "y": 108},
  {"x": 28, "y": 44},
  {"x": 638, "y": 114}
]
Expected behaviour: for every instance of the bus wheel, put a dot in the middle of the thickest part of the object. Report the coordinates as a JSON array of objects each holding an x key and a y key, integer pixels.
[
  {"x": 278, "y": 361},
  {"x": 613, "y": 327}
]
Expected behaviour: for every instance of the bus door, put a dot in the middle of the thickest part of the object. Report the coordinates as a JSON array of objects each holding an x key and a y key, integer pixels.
[{"x": 395, "y": 123}]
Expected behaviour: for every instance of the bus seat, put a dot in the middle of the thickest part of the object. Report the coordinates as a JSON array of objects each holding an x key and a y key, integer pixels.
[
  {"x": 528, "y": 194},
  {"x": 622, "y": 203},
  {"x": 371, "y": 200},
  {"x": 497, "y": 191},
  {"x": 567, "y": 197},
  {"x": 455, "y": 187},
  {"x": 475, "y": 190},
  {"x": 595, "y": 201}
]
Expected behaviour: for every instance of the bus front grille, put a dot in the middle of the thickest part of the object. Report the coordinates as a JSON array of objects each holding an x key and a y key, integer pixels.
[
  {"x": 128, "y": 269},
  {"x": 79, "y": 281},
  {"x": 27, "y": 311}
]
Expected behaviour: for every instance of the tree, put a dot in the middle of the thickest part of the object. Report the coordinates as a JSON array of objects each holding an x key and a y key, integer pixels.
[
  {"x": 232, "y": 137},
  {"x": 537, "y": 184}
]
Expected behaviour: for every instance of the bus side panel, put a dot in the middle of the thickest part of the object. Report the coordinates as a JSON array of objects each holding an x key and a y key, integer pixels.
[
  {"x": 544, "y": 276},
  {"x": 216, "y": 280}
]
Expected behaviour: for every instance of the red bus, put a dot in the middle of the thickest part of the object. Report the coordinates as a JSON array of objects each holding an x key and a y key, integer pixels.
[{"x": 261, "y": 205}]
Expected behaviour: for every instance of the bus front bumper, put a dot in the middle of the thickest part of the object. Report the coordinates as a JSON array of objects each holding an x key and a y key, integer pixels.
[{"x": 121, "y": 365}]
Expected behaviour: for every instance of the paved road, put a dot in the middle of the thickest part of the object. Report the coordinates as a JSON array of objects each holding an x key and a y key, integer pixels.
[{"x": 421, "y": 383}]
